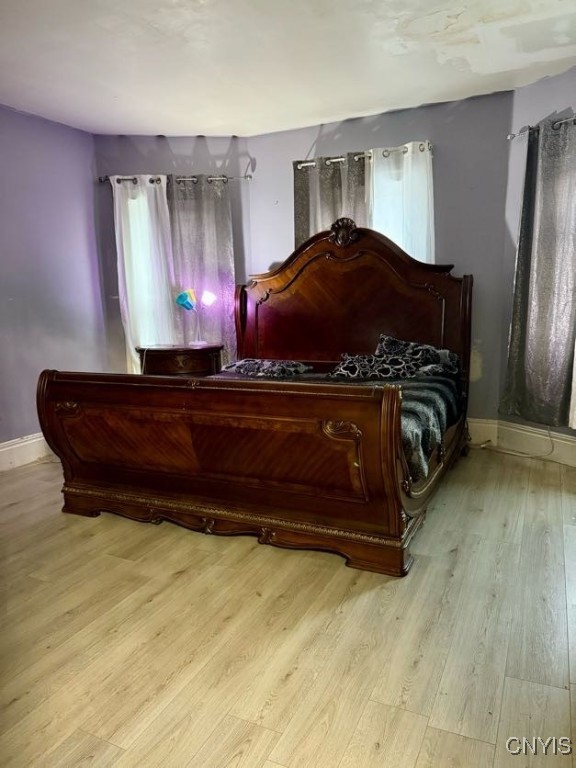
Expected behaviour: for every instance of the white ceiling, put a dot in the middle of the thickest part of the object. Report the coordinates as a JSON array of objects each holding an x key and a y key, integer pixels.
[{"x": 246, "y": 67}]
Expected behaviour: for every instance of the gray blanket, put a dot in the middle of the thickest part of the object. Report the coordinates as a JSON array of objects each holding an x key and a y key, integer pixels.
[{"x": 429, "y": 407}]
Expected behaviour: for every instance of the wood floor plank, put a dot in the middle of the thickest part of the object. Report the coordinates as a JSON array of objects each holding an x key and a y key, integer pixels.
[
  {"x": 274, "y": 696},
  {"x": 184, "y": 643},
  {"x": 573, "y": 722},
  {"x": 27, "y": 482},
  {"x": 538, "y": 648},
  {"x": 104, "y": 582},
  {"x": 61, "y": 540},
  {"x": 140, "y": 676},
  {"x": 16, "y": 593},
  {"x": 385, "y": 737},
  {"x": 235, "y": 743},
  {"x": 532, "y": 710},
  {"x": 82, "y": 749},
  {"x": 568, "y": 494},
  {"x": 468, "y": 699},
  {"x": 183, "y": 723},
  {"x": 320, "y": 729},
  {"x": 483, "y": 496},
  {"x": 21, "y": 550},
  {"x": 544, "y": 500},
  {"x": 21, "y": 514},
  {"x": 442, "y": 749},
  {"x": 116, "y": 632},
  {"x": 570, "y": 575},
  {"x": 417, "y": 648},
  {"x": 168, "y": 556}
]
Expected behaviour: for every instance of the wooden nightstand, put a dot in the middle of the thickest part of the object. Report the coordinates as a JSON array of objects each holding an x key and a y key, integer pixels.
[{"x": 192, "y": 360}]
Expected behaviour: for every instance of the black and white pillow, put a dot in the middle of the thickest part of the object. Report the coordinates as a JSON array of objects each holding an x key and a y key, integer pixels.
[
  {"x": 424, "y": 354},
  {"x": 267, "y": 369},
  {"x": 379, "y": 367}
]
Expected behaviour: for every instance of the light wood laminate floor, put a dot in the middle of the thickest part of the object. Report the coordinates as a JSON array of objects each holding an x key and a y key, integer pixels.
[{"x": 126, "y": 644}]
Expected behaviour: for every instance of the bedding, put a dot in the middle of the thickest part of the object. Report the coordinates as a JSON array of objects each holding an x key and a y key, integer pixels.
[
  {"x": 423, "y": 354},
  {"x": 429, "y": 407},
  {"x": 270, "y": 369},
  {"x": 382, "y": 367}
]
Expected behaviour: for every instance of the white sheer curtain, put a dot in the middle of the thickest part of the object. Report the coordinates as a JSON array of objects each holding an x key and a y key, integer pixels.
[
  {"x": 145, "y": 278},
  {"x": 202, "y": 246},
  {"x": 403, "y": 197}
]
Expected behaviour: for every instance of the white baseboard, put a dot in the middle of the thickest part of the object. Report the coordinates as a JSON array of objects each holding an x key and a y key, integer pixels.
[
  {"x": 483, "y": 431},
  {"x": 23, "y": 450},
  {"x": 539, "y": 443}
]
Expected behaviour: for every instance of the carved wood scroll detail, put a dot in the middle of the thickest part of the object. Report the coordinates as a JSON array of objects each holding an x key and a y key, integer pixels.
[
  {"x": 434, "y": 292},
  {"x": 207, "y": 524},
  {"x": 343, "y": 232},
  {"x": 341, "y": 430},
  {"x": 267, "y": 536},
  {"x": 67, "y": 407}
]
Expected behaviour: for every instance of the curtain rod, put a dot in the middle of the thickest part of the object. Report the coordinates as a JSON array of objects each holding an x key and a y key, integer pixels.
[
  {"x": 422, "y": 146},
  {"x": 555, "y": 127},
  {"x": 194, "y": 179},
  {"x": 511, "y": 136},
  {"x": 331, "y": 160}
]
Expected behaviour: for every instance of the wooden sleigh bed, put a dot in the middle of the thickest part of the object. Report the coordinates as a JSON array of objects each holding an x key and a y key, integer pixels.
[{"x": 302, "y": 463}]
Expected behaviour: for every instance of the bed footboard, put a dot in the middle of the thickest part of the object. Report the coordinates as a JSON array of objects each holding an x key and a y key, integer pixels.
[{"x": 314, "y": 466}]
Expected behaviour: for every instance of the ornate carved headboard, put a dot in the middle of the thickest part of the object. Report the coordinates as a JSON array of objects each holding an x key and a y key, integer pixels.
[{"x": 340, "y": 290}]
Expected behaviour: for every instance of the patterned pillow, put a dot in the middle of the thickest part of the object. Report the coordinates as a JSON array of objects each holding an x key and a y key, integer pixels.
[
  {"x": 269, "y": 369},
  {"x": 425, "y": 354},
  {"x": 381, "y": 367}
]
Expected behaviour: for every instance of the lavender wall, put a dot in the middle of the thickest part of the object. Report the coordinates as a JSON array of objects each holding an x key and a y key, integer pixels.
[
  {"x": 50, "y": 308},
  {"x": 470, "y": 172},
  {"x": 161, "y": 154}
]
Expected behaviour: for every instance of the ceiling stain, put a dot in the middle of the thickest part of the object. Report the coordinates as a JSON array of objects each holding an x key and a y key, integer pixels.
[{"x": 248, "y": 67}]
